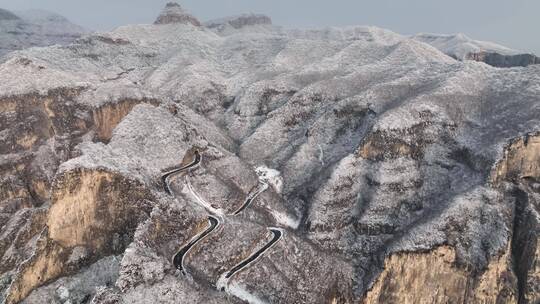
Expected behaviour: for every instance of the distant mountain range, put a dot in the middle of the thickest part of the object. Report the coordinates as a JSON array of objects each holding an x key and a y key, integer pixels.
[
  {"x": 24, "y": 29},
  {"x": 21, "y": 30}
]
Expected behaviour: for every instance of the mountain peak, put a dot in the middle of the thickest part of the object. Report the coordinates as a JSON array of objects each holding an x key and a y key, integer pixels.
[
  {"x": 7, "y": 15},
  {"x": 174, "y": 13},
  {"x": 173, "y": 4}
]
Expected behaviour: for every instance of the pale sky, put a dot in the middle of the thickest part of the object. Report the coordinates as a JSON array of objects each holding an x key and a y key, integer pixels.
[{"x": 513, "y": 23}]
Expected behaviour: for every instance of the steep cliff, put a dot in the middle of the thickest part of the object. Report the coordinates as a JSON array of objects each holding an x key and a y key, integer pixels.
[
  {"x": 238, "y": 22},
  {"x": 464, "y": 48},
  {"x": 504, "y": 61},
  {"x": 174, "y": 13}
]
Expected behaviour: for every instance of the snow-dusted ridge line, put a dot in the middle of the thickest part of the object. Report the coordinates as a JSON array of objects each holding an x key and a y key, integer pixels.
[{"x": 461, "y": 46}]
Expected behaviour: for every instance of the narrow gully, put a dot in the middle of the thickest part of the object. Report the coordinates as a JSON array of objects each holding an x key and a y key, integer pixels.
[
  {"x": 178, "y": 259},
  {"x": 165, "y": 176}
]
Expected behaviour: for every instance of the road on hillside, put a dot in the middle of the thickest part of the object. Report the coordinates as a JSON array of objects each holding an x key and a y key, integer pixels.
[
  {"x": 165, "y": 177},
  {"x": 277, "y": 234},
  {"x": 251, "y": 197},
  {"x": 178, "y": 259}
]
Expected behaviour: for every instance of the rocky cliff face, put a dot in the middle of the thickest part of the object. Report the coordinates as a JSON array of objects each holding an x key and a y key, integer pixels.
[
  {"x": 462, "y": 47},
  {"x": 173, "y": 13},
  {"x": 35, "y": 28},
  {"x": 238, "y": 22},
  {"x": 433, "y": 277},
  {"x": 520, "y": 167},
  {"x": 504, "y": 61},
  {"x": 263, "y": 165}
]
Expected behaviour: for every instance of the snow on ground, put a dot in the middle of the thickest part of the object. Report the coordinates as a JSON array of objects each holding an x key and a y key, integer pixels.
[
  {"x": 460, "y": 45},
  {"x": 240, "y": 292},
  {"x": 188, "y": 189},
  {"x": 285, "y": 219},
  {"x": 270, "y": 176}
]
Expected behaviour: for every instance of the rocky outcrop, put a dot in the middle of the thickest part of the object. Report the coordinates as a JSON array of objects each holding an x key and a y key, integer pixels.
[
  {"x": 174, "y": 13},
  {"x": 92, "y": 212},
  {"x": 109, "y": 115},
  {"x": 461, "y": 47},
  {"x": 504, "y": 61},
  {"x": 433, "y": 277},
  {"x": 45, "y": 116},
  {"x": 521, "y": 160},
  {"x": 30, "y": 155},
  {"x": 238, "y": 22},
  {"x": 526, "y": 244},
  {"x": 520, "y": 168}
]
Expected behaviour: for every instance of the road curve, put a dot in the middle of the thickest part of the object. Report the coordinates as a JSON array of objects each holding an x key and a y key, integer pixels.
[
  {"x": 277, "y": 234},
  {"x": 165, "y": 176},
  {"x": 178, "y": 259},
  {"x": 251, "y": 197}
]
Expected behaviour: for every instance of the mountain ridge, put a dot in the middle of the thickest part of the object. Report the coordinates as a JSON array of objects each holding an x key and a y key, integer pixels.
[{"x": 35, "y": 28}]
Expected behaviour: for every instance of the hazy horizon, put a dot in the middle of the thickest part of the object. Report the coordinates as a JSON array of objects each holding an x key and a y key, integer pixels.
[{"x": 512, "y": 25}]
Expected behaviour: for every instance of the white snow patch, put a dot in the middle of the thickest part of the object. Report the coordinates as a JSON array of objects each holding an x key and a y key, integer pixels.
[
  {"x": 285, "y": 220},
  {"x": 237, "y": 290},
  {"x": 189, "y": 190},
  {"x": 270, "y": 176},
  {"x": 321, "y": 154},
  {"x": 240, "y": 292},
  {"x": 63, "y": 293},
  {"x": 460, "y": 45},
  {"x": 223, "y": 283}
]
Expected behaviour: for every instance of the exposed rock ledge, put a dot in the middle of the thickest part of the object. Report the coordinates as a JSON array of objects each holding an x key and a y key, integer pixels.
[
  {"x": 521, "y": 160},
  {"x": 504, "y": 61},
  {"x": 240, "y": 21},
  {"x": 174, "y": 13},
  {"x": 432, "y": 277},
  {"x": 92, "y": 211},
  {"x": 435, "y": 276}
]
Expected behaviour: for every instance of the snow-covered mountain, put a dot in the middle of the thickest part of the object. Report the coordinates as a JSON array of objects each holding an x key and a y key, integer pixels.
[
  {"x": 24, "y": 29},
  {"x": 462, "y": 47},
  {"x": 175, "y": 162}
]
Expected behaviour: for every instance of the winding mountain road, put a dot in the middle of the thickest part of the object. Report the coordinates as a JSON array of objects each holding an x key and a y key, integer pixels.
[
  {"x": 178, "y": 259},
  {"x": 251, "y": 197},
  {"x": 277, "y": 234},
  {"x": 165, "y": 176},
  {"x": 215, "y": 221}
]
